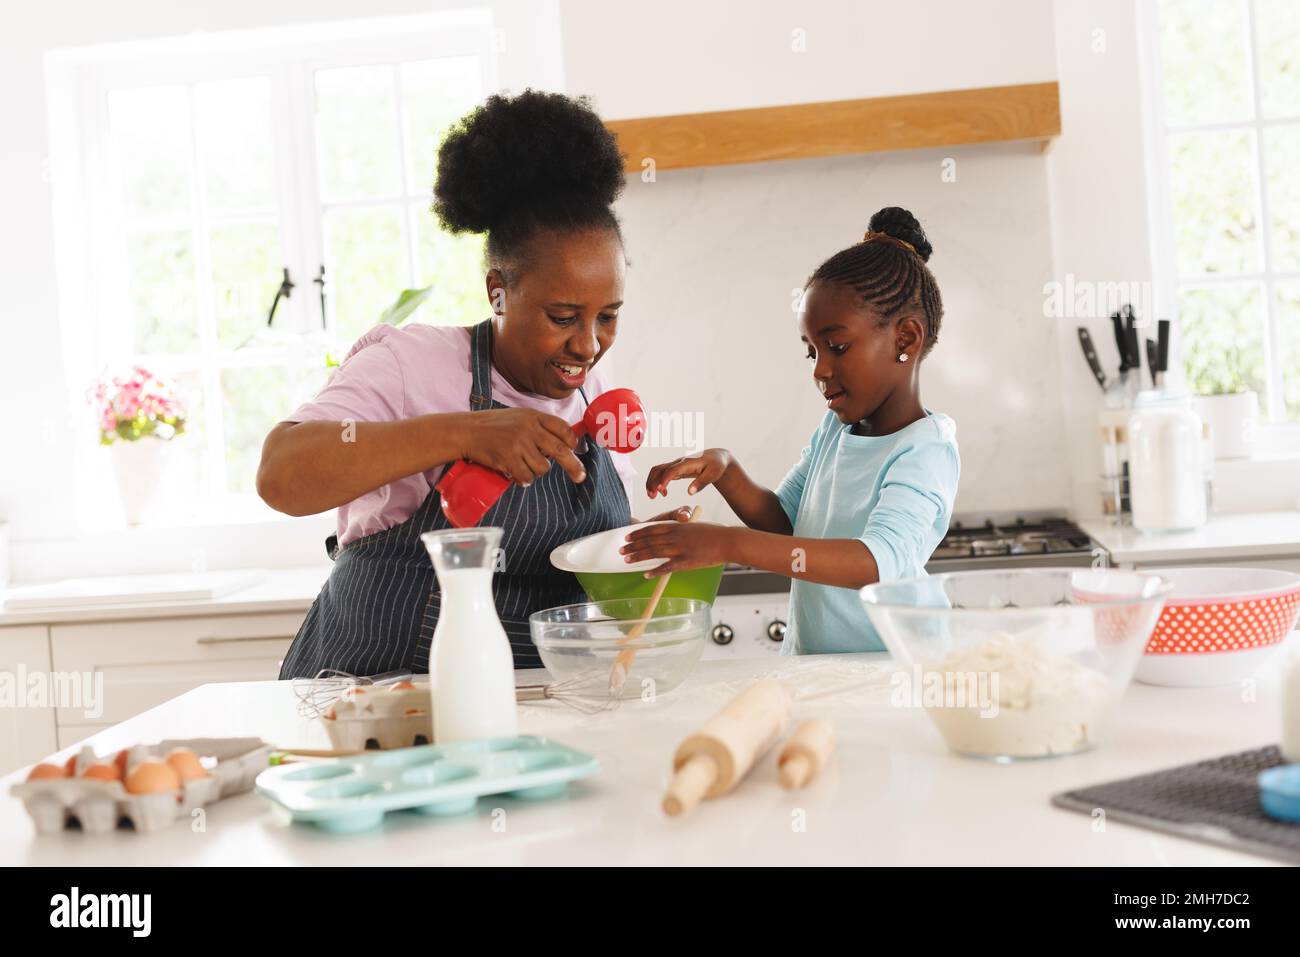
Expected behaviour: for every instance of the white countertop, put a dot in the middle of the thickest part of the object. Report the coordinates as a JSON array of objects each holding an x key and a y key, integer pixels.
[
  {"x": 1225, "y": 536},
  {"x": 282, "y": 590},
  {"x": 892, "y": 795}
]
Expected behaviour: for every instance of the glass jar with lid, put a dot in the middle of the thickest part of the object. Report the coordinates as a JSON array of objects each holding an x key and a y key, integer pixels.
[{"x": 1166, "y": 470}]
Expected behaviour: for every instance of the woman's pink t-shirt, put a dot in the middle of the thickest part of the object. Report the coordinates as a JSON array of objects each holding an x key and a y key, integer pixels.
[{"x": 397, "y": 373}]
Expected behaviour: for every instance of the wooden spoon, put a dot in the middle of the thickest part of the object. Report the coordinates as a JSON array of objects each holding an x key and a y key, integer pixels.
[{"x": 623, "y": 663}]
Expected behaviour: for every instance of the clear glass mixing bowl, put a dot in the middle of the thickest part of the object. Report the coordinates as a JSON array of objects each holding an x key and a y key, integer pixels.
[
  {"x": 1016, "y": 664},
  {"x": 580, "y": 644}
]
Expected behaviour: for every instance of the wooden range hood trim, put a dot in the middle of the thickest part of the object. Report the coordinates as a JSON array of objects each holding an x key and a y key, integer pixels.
[{"x": 994, "y": 114}]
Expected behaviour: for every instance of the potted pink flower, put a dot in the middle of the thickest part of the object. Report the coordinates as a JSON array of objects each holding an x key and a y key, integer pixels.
[{"x": 139, "y": 415}]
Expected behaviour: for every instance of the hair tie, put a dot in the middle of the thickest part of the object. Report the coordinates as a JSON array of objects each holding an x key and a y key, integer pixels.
[{"x": 870, "y": 235}]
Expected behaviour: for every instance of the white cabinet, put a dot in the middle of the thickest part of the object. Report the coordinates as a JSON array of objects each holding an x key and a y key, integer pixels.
[
  {"x": 144, "y": 663},
  {"x": 26, "y": 711}
]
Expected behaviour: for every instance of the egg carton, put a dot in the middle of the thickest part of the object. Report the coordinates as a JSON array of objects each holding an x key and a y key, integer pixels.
[
  {"x": 354, "y": 793},
  {"x": 99, "y": 806},
  {"x": 380, "y": 717}
]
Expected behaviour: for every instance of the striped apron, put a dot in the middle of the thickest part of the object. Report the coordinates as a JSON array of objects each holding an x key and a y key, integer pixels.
[{"x": 380, "y": 605}]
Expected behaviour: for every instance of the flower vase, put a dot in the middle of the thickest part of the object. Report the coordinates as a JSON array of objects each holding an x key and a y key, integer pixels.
[{"x": 138, "y": 467}]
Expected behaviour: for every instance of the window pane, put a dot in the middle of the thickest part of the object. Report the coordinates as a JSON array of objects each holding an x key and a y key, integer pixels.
[
  {"x": 366, "y": 266},
  {"x": 246, "y": 271},
  {"x": 253, "y": 400},
  {"x": 234, "y": 134},
  {"x": 1222, "y": 331},
  {"x": 151, "y": 133},
  {"x": 356, "y": 133},
  {"x": 453, "y": 265},
  {"x": 1214, "y": 200},
  {"x": 435, "y": 93},
  {"x": 160, "y": 269},
  {"x": 1288, "y": 317},
  {"x": 1277, "y": 25},
  {"x": 1203, "y": 54},
  {"x": 1282, "y": 162}
]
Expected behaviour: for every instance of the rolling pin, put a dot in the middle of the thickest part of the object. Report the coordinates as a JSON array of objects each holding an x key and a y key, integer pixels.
[
  {"x": 712, "y": 761},
  {"x": 805, "y": 753}
]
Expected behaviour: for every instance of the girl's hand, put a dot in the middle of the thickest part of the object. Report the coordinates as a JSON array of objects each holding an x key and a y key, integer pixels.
[
  {"x": 706, "y": 468},
  {"x": 694, "y": 545},
  {"x": 521, "y": 443}
]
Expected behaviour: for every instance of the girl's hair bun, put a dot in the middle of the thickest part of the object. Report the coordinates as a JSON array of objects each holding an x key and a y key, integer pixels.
[
  {"x": 514, "y": 152},
  {"x": 901, "y": 224}
]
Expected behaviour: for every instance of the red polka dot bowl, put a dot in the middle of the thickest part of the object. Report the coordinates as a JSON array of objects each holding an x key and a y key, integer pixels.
[{"x": 1219, "y": 625}]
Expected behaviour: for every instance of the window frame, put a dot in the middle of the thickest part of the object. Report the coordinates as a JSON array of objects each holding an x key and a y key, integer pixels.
[
  {"x": 96, "y": 328},
  {"x": 1276, "y": 435}
]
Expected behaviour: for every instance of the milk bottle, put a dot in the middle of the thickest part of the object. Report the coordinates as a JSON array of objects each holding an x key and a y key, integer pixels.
[{"x": 471, "y": 670}]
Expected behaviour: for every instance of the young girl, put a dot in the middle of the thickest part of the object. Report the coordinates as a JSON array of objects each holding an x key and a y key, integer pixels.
[{"x": 872, "y": 494}]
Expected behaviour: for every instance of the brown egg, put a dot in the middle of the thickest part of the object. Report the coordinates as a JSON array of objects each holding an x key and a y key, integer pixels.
[
  {"x": 102, "y": 771},
  {"x": 152, "y": 777},
  {"x": 70, "y": 769},
  {"x": 120, "y": 761},
  {"x": 45, "y": 771},
  {"x": 186, "y": 764},
  {"x": 403, "y": 686}
]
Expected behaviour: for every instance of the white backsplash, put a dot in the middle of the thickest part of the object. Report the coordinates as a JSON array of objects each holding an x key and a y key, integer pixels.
[{"x": 716, "y": 255}]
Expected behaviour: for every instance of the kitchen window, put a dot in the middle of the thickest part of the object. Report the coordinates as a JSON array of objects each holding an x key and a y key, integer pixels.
[
  {"x": 1225, "y": 96},
  {"x": 212, "y": 174}
]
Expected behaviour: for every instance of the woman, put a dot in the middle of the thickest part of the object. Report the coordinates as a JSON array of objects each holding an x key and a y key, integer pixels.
[{"x": 538, "y": 173}]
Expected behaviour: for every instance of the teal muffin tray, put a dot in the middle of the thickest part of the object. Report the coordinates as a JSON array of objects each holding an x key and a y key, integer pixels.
[{"x": 354, "y": 793}]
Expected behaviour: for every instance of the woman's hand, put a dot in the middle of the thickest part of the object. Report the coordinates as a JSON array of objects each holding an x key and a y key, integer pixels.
[
  {"x": 706, "y": 468},
  {"x": 693, "y": 545},
  {"x": 521, "y": 443}
]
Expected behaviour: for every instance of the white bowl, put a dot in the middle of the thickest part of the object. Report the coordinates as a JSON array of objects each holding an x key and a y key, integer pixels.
[{"x": 599, "y": 552}]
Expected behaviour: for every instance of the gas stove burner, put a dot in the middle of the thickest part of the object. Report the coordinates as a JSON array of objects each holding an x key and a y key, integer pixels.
[{"x": 1006, "y": 541}]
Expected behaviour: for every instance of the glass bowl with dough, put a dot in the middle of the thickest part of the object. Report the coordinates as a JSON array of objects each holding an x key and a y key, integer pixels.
[{"x": 1017, "y": 664}]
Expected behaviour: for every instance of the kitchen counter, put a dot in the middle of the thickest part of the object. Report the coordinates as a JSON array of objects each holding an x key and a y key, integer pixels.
[
  {"x": 1246, "y": 535},
  {"x": 892, "y": 795},
  {"x": 282, "y": 590}
]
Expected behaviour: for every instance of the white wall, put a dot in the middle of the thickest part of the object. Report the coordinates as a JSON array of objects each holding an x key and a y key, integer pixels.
[
  {"x": 708, "y": 325},
  {"x": 1097, "y": 180},
  {"x": 687, "y": 56}
]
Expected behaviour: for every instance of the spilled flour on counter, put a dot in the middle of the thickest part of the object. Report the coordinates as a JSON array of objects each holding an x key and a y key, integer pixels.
[
  {"x": 1045, "y": 703},
  {"x": 820, "y": 679}
]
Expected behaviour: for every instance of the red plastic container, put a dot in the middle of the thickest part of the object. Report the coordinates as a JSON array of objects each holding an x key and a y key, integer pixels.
[{"x": 616, "y": 420}]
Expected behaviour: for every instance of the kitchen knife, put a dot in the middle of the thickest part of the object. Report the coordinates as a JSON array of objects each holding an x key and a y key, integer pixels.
[
  {"x": 1153, "y": 363},
  {"x": 1162, "y": 345},
  {"x": 1121, "y": 343},
  {"x": 1131, "y": 341},
  {"x": 1090, "y": 353}
]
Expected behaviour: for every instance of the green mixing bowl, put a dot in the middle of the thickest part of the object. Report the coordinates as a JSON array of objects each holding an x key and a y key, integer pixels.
[
  {"x": 605, "y": 576},
  {"x": 698, "y": 583}
]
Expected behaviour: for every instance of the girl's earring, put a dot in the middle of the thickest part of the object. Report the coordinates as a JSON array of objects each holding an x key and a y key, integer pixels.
[{"x": 902, "y": 357}]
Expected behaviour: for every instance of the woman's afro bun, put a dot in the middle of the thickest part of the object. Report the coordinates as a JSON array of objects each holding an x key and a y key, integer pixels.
[{"x": 514, "y": 156}]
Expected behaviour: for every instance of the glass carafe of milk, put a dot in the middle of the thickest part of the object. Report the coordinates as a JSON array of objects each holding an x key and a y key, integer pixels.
[{"x": 471, "y": 669}]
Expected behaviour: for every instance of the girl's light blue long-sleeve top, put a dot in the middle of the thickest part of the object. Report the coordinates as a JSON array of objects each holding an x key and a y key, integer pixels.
[{"x": 894, "y": 493}]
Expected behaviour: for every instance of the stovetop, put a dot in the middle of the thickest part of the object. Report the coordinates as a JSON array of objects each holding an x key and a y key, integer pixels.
[{"x": 998, "y": 538}]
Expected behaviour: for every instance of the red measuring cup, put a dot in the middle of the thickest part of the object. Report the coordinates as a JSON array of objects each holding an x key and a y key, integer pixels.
[{"x": 616, "y": 420}]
